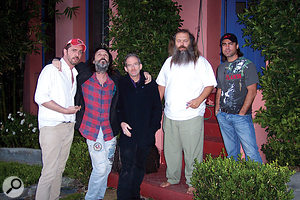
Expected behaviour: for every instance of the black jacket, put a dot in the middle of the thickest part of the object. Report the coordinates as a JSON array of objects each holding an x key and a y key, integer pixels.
[
  {"x": 84, "y": 73},
  {"x": 141, "y": 108}
]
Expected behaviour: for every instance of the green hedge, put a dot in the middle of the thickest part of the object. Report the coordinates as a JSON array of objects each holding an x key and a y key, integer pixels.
[
  {"x": 227, "y": 179},
  {"x": 145, "y": 28},
  {"x": 273, "y": 27}
]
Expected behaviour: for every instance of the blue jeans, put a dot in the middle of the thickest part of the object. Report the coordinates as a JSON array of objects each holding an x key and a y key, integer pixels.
[
  {"x": 102, "y": 155},
  {"x": 236, "y": 130}
]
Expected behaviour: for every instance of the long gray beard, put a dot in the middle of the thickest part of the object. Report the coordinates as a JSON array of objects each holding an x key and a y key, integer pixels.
[
  {"x": 183, "y": 57},
  {"x": 101, "y": 66}
]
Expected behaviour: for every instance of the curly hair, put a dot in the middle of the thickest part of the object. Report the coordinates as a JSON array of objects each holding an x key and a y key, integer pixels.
[{"x": 92, "y": 58}]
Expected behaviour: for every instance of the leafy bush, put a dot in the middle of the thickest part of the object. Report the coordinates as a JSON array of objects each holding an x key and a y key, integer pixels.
[
  {"x": 225, "y": 178},
  {"x": 28, "y": 173},
  {"x": 19, "y": 130},
  {"x": 274, "y": 28},
  {"x": 79, "y": 164},
  {"x": 145, "y": 28}
]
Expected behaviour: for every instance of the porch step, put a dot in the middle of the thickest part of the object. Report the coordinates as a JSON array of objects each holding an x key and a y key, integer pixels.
[
  {"x": 213, "y": 141},
  {"x": 150, "y": 187}
]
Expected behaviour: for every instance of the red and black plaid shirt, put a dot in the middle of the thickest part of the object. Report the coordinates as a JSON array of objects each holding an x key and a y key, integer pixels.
[{"x": 97, "y": 101}]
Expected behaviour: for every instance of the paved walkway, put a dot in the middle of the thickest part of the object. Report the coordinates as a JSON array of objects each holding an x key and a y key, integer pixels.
[{"x": 33, "y": 156}]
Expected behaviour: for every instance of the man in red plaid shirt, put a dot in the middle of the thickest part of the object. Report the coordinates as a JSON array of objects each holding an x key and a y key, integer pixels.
[{"x": 98, "y": 95}]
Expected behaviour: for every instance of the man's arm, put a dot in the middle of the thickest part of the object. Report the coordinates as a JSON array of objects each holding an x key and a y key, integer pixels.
[
  {"x": 195, "y": 103},
  {"x": 161, "y": 90},
  {"x": 156, "y": 110},
  {"x": 217, "y": 103},
  {"x": 52, "y": 105},
  {"x": 249, "y": 98}
]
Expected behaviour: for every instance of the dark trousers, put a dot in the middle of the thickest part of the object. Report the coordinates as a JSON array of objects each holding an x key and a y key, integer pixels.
[{"x": 133, "y": 158}]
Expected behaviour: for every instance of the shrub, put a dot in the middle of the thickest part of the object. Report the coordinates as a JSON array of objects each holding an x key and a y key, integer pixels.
[
  {"x": 274, "y": 28},
  {"x": 143, "y": 27},
  {"x": 79, "y": 164},
  {"x": 225, "y": 178},
  {"x": 19, "y": 130}
]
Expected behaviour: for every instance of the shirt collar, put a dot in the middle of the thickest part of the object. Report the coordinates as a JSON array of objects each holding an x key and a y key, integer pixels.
[{"x": 140, "y": 81}]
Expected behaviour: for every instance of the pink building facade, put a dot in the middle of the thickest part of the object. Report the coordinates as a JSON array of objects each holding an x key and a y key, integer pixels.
[{"x": 206, "y": 19}]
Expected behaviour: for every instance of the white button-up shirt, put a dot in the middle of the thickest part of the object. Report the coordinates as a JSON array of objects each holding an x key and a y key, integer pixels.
[{"x": 57, "y": 86}]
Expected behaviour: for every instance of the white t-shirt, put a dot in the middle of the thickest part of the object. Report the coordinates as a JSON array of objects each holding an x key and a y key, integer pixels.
[
  {"x": 57, "y": 86},
  {"x": 183, "y": 83}
]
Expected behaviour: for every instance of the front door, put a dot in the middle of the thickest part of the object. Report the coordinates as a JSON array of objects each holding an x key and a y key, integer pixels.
[{"x": 230, "y": 9}]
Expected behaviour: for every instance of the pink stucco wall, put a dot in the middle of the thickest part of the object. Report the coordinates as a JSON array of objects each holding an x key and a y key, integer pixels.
[
  {"x": 261, "y": 135},
  {"x": 67, "y": 29},
  {"x": 31, "y": 75}
]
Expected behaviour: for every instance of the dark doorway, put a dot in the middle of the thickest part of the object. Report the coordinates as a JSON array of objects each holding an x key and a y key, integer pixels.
[{"x": 98, "y": 23}]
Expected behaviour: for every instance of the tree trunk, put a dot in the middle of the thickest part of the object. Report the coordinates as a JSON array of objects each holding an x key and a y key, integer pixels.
[{"x": 3, "y": 113}]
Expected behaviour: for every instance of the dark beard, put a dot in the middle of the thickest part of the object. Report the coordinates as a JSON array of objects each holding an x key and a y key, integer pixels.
[
  {"x": 101, "y": 66},
  {"x": 184, "y": 56}
]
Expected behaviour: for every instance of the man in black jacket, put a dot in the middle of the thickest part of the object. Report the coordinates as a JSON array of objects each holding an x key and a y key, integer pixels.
[
  {"x": 97, "y": 121},
  {"x": 97, "y": 94},
  {"x": 139, "y": 112}
]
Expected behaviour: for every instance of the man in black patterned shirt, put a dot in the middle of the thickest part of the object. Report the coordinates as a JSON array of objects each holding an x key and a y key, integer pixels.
[{"x": 237, "y": 82}]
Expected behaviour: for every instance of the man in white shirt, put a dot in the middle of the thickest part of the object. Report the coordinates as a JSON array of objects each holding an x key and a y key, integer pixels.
[
  {"x": 185, "y": 81},
  {"x": 55, "y": 97}
]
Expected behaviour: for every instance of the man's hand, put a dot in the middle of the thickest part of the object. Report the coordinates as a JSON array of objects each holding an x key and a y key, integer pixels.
[
  {"x": 72, "y": 109},
  {"x": 56, "y": 64},
  {"x": 125, "y": 128},
  {"x": 195, "y": 103},
  {"x": 217, "y": 104},
  {"x": 252, "y": 89},
  {"x": 148, "y": 77}
]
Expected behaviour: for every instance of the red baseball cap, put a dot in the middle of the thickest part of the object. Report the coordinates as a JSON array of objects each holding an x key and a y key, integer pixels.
[{"x": 76, "y": 42}]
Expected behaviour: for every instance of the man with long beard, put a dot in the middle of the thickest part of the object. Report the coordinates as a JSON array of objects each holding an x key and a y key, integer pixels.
[{"x": 185, "y": 81}]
